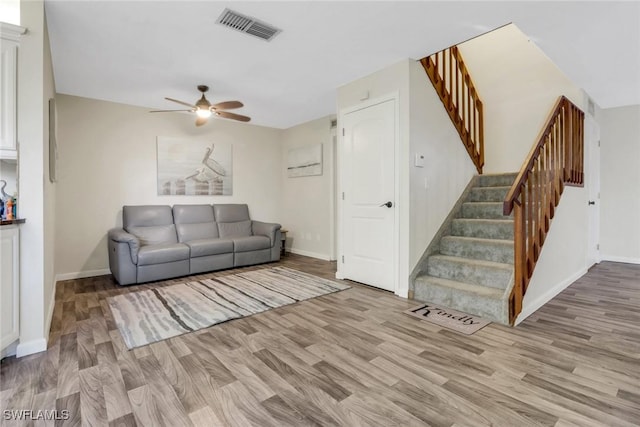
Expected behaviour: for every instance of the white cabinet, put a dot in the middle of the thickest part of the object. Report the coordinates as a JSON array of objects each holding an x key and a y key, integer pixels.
[
  {"x": 10, "y": 35},
  {"x": 9, "y": 285}
]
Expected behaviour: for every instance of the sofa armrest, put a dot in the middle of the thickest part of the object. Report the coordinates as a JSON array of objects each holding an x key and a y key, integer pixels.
[
  {"x": 266, "y": 229},
  {"x": 120, "y": 236}
]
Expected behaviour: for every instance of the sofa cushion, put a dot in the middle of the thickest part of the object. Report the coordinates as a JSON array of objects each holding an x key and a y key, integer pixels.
[
  {"x": 234, "y": 229},
  {"x": 146, "y": 216},
  {"x": 154, "y": 235},
  {"x": 158, "y": 254},
  {"x": 231, "y": 212},
  {"x": 205, "y": 247},
  {"x": 192, "y": 214},
  {"x": 251, "y": 243},
  {"x": 202, "y": 230},
  {"x": 194, "y": 222}
]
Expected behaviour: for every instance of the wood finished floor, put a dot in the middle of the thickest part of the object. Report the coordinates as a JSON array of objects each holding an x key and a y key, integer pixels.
[{"x": 350, "y": 359}]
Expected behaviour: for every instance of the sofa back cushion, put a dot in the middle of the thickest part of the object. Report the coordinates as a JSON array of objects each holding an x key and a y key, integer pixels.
[
  {"x": 150, "y": 224},
  {"x": 155, "y": 235},
  {"x": 195, "y": 222},
  {"x": 233, "y": 220}
]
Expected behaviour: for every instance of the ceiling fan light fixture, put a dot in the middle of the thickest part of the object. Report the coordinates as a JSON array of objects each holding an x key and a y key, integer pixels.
[{"x": 203, "y": 113}]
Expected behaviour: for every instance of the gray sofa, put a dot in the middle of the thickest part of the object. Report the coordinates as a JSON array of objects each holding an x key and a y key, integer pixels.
[{"x": 161, "y": 242}]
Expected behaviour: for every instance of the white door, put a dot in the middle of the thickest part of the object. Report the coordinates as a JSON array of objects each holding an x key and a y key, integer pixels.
[
  {"x": 592, "y": 178},
  {"x": 368, "y": 176}
]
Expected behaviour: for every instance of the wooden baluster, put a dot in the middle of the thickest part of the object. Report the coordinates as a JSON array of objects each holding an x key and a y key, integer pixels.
[
  {"x": 547, "y": 180},
  {"x": 537, "y": 201},
  {"x": 519, "y": 257},
  {"x": 481, "y": 133},
  {"x": 450, "y": 79},
  {"x": 577, "y": 153},
  {"x": 472, "y": 121},
  {"x": 568, "y": 138},
  {"x": 466, "y": 80},
  {"x": 543, "y": 189},
  {"x": 529, "y": 233},
  {"x": 556, "y": 161},
  {"x": 559, "y": 158},
  {"x": 435, "y": 68},
  {"x": 458, "y": 91},
  {"x": 556, "y": 144},
  {"x": 581, "y": 178}
]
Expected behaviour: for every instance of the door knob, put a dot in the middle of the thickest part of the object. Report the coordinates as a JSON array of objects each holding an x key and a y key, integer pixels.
[
  {"x": 591, "y": 202},
  {"x": 388, "y": 204}
]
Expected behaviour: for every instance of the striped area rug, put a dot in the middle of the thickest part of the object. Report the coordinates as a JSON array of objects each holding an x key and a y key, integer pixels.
[{"x": 156, "y": 314}]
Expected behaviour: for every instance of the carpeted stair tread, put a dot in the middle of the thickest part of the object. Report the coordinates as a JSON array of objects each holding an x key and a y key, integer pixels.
[
  {"x": 483, "y": 210},
  {"x": 478, "y": 248},
  {"x": 482, "y": 301},
  {"x": 488, "y": 194},
  {"x": 501, "y": 229},
  {"x": 497, "y": 180},
  {"x": 484, "y": 291},
  {"x": 472, "y": 271}
]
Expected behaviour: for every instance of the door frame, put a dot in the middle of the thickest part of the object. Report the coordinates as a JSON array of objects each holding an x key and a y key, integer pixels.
[
  {"x": 592, "y": 138},
  {"x": 393, "y": 96},
  {"x": 333, "y": 200}
]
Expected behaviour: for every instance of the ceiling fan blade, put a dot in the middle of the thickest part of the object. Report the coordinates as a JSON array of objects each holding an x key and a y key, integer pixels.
[
  {"x": 227, "y": 105},
  {"x": 232, "y": 116},
  {"x": 167, "y": 111},
  {"x": 200, "y": 121},
  {"x": 180, "y": 102}
]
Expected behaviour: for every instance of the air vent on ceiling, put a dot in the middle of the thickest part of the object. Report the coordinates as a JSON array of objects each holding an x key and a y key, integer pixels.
[{"x": 248, "y": 25}]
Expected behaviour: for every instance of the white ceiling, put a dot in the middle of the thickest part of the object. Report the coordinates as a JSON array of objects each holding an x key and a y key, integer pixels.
[{"x": 138, "y": 52}]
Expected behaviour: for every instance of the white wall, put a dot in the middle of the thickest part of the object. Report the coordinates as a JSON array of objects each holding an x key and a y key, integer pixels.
[
  {"x": 563, "y": 259},
  {"x": 9, "y": 173},
  {"x": 107, "y": 159},
  {"x": 49, "y": 92},
  {"x": 307, "y": 204},
  {"x": 393, "y": 80},
  {"x": 620, "y": 184},
  {"x": 32, "y": 148},
  {"x": 10, "y": 11},
  {"x": 518, "y": 85},
  {"x": 436, "y": 187}
]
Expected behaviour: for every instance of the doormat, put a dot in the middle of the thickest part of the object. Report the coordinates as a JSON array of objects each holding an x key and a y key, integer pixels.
[{"x": 451, "y": 319}]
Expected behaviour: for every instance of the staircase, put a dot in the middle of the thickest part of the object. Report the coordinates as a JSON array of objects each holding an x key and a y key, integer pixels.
[
  {"x": 470, "y": 267},
  {"x": 483, "y": 257}
]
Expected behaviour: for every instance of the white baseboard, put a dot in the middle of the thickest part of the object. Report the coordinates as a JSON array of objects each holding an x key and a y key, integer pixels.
[
  {"x": 310, "y": 254},
  {"x": 10, "y": 350},
  {"x": 82, "y": 274},
  {"x": 31, "y": 347},
  {"x": 534, "y": 305},
  {"x": 626, "y": 260},
  {"x": 49, "y": 313}
]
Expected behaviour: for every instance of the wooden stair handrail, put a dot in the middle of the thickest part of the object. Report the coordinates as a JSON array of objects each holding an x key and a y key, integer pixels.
[
  {"x": 448, "y": 73},
  {"x": 556, "y": 160}
]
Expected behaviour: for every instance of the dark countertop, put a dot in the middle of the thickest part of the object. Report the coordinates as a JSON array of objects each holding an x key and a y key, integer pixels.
[{"x": 12, "y": 221}]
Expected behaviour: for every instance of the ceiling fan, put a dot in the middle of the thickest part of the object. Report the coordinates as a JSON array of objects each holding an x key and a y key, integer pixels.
[{"x": 204, "y": 109}]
